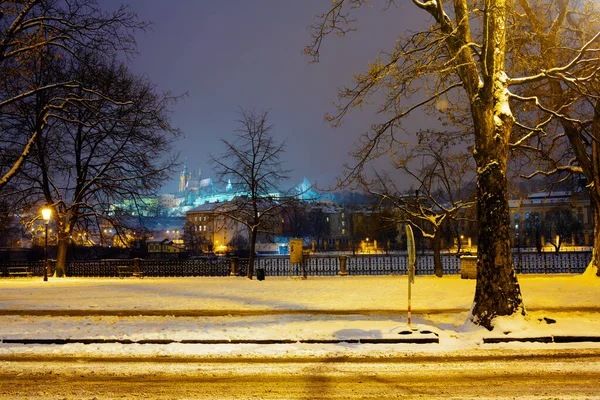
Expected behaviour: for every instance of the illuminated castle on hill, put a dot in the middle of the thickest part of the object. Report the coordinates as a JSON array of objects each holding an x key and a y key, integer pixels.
[{"x": 194, "y": 190}]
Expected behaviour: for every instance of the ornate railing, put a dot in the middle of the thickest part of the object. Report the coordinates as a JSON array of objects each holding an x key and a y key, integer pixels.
[
  {"x": 280, "y": 266},
  {"x": 551, "y": 263},
  {"x": 96, "y": 268},
  {"x": 199, "y": 267},
  {"x": 398, "y": 264},
  {"x": 525, "y": 263},
  {"x": 35, "y": 267}
]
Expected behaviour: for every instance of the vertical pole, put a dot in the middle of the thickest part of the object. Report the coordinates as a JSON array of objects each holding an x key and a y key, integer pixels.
[
  {"x": 234, "y": 266},
  {"x": 304, "y": 260},
  {"x": 343, "y": 271},
  {"x": 410, "y": 247},
  {"x": 46, "y": 255},
  {"x": 409, "y": 298}
]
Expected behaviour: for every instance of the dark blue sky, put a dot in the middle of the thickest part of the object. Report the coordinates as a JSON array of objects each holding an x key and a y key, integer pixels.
[{"x": 228, "y": 54}]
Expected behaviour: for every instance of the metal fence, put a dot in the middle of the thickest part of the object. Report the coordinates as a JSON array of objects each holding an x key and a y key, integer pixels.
[
  {"x": 35, "y": 267},
  {"x": 95, "y": 268},
  {"x": 201, "y": 267},
  {"x": 321, "y": 265},
  {"x": 551, "y": 263},
  {"x": 150, "y": 267}
]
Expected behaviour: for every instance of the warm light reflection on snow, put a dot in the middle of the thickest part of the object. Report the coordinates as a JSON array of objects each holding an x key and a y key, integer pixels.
[{"x": 378, "y": 306}]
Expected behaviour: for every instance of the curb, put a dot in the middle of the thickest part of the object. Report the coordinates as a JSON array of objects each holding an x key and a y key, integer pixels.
[
  {"x": 255, "y": 312},
  {"x": 543, "y": 339},
  {"x": 403, "y": 340},
  {"x": 212, "y": 313}
]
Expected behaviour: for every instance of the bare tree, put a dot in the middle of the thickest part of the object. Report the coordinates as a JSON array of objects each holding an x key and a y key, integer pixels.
[
  {"x": 252, "y": 162},
  {"x": 458, "y": 63},
  {"x": 557, "y": 98},
  {"x": 32, "y": 29},
  {"x": 549, "y": 80},
  {"x": 559, "y": 223},
  {"x": 443, "y": 173},
  {"x": 99, "y": 150}
]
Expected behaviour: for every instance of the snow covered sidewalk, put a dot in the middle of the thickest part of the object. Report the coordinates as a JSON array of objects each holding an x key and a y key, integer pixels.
[{"x": 350, "y": 316}]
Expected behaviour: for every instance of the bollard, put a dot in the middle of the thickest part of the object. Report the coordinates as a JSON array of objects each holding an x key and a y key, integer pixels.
[
  {"x": 260, "y": 274},
  {"x": 468, "y": 267},
  {"x": 343, "y": 266},
  {"x": 234, "y": 266}
]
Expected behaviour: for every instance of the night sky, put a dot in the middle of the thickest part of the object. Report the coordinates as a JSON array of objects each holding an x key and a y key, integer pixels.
[{"x": 228, "y": 54}]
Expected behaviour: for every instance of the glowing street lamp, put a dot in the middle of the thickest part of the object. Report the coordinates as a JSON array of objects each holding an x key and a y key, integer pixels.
[{"x": 46, "y": 214}]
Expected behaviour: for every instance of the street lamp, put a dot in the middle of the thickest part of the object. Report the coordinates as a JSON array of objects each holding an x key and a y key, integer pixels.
[{"x": 46, "y": 214}]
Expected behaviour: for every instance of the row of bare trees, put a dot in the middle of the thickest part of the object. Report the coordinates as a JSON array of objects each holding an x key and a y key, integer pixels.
[
  {"x": 517, "y": 77},
  {"x": 80, "y": 132}
]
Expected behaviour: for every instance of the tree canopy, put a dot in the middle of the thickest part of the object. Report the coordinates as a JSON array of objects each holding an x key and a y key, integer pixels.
[{"x": 36, "y": 32}]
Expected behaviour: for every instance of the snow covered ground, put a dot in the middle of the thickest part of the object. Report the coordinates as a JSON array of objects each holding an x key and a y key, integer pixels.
[{"x": 234, "y": 309}]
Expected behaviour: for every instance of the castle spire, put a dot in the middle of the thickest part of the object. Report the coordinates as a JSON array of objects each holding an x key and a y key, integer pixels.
[{"x": 183, "y": 178}]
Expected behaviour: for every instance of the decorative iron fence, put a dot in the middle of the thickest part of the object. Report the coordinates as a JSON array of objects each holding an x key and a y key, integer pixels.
[
  {"x": 398, "y": 264},
  {"x": 96, "y": 268},
  {"x": 199, "y": 267},
  {"x": 35, "y": 267},
  {"x": 150, "y": 267},
  {"x": 551, "y": 263},
  {"x": 525, "y": 263}
]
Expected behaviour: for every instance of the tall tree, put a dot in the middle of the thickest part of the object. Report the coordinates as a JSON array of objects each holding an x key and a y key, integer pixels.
[
  {"x": 557, "y": 93},
  {"x": 29, "y": 31},
  {"x": 443, "y": 173},
  {"x": 558, "y": 224},
  {"x": 460, "y": 58},
  {"x": 100, "y": 150},
  {"x": 252, "y": 162}
]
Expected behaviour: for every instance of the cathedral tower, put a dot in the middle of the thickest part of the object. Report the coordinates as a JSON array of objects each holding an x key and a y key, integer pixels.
[{"x": 183, "y": 178}]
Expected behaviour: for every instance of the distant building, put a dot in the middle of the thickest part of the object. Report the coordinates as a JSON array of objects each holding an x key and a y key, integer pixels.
[
  {"x": 533, "y": 219},
  {"x": 163, "y": 247},
  {"x": 212, "y": 230}
]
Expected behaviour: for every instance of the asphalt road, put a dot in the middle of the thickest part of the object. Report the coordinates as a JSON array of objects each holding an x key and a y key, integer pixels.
[{"x": 528, "y": 377}]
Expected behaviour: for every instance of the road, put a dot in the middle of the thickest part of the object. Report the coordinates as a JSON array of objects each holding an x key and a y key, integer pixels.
[{"x": 527, "y": 377}]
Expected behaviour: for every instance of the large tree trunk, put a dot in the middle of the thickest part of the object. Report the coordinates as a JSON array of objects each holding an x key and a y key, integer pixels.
[
  {"x": 591, "y": 170},
  {"x": 594, "y": 190},
  {"x": 61, "y": 255},
  {"x": 593, "y": 267},
  {"x": 437, "y": 256},
  {"x": 593, "y": 179},
  {"x": 497, "y": 292},
  {"x": 253, "y": 235}
]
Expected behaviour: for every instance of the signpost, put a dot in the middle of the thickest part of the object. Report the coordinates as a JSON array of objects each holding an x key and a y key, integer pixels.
[
  {"x": 412, "y": 256},
  {"x": 295, "y": 251},
  {"x": 296, "y": 256}
]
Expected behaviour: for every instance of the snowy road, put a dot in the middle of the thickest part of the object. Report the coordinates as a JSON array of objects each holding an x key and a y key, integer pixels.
[{"x": 523, "y": 377}]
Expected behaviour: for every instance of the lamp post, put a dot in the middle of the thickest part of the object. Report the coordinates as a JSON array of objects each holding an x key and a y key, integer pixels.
[{"x": 46, "y": 214}]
